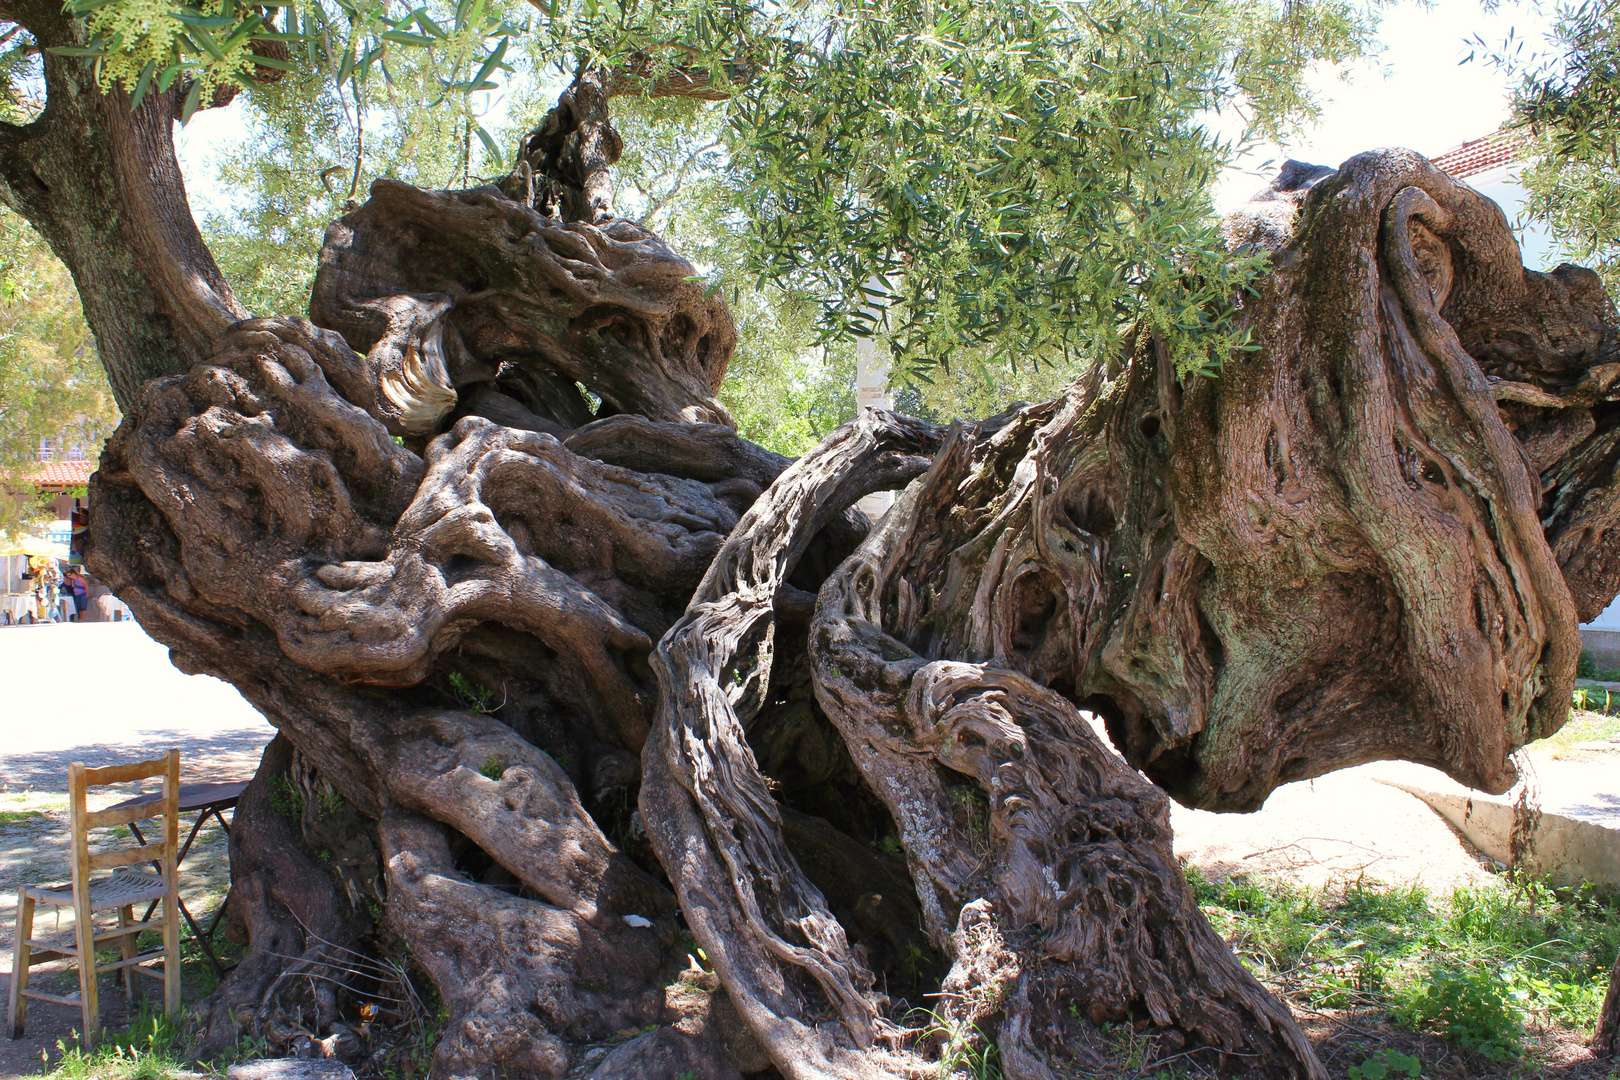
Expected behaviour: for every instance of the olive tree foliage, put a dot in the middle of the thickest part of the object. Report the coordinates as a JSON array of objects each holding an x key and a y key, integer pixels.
[
  {"x": 51, "y": 382},
  {"x": 927, "y": 147},
  {"x": 1567, "y": 104},
  {"x": 1023, "y": 176}
]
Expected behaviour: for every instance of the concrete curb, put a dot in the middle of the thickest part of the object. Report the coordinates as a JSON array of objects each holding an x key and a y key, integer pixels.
[{"x": 1565, "y": 850}]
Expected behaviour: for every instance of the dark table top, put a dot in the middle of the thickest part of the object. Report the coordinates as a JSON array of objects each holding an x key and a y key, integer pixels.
[{"x": 196, "y": 796}]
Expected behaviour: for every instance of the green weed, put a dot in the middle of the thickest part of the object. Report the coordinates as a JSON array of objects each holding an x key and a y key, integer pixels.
[
  {"x": 286, "y": 799},
  {"x": 964, "y": 1051},
  {"x": 1385, "y": 1064},
  {"x": 472, "y": 696},
  {"x": 149, "y": 1049},
  {"x": 492, "y": 768},
  {"x": 1475, "y": 967},
  {"x": 1471, "y": 1006}
]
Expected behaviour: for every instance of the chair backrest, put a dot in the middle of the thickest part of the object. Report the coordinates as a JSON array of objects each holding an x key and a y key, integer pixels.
[{"x": 165, "y": 805}]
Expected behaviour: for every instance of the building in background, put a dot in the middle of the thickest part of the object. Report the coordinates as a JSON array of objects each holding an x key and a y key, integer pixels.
[
  {"x": 1490, "y": 166},
  {"x": 58, "y": 486}
]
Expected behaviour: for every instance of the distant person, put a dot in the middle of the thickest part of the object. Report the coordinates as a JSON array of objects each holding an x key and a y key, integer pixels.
[
  {"x": 47, "y": 586},
  {"x": 79, "y": 589}
]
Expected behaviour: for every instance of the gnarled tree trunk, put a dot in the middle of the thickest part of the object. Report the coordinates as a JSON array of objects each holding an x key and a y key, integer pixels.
[{"x": 577, "y": 685}]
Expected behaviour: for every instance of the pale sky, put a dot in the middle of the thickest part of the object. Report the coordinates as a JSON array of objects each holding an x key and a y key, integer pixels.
[{"x": 1415, "y": 95}]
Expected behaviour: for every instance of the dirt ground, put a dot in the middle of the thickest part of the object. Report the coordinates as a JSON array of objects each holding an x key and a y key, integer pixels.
[
  {"x": 1329, "y": 831},
  {"x": 101, "y": 693}
]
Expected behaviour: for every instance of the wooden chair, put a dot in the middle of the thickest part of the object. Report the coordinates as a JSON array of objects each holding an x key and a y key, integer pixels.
[{"x": 131, "y": 883}]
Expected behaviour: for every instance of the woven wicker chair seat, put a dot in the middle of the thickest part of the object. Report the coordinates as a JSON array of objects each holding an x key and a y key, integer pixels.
[{"x": 122, "y": 889}]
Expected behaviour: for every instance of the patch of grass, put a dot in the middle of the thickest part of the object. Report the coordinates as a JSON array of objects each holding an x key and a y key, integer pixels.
[
  {"x": 149, "y": 1049},
  {"x": 21, "y": 817},
  {"x": 1588, "y": 724},
  {"x": 492, "y": 768},
  {"x": 1474, "y": 968}
]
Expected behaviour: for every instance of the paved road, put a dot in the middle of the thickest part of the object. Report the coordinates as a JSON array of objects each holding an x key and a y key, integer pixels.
[{"x": 104, "y": 692}]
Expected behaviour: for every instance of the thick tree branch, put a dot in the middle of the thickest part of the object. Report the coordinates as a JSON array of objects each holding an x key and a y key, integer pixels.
[{"x": 101, "y": 184}]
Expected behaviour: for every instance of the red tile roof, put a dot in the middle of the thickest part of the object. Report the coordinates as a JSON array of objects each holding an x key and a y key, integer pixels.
[
  {"x": 1480, "y": 155},
  {"x": 63, "y": 473}
]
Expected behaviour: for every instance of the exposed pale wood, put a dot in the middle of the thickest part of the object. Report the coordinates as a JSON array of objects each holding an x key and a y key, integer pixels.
[
  {"x": 122, "y": 774},
  {"x": 127, "y": 934},
  {"x": 21, "y": 961},
  {"x": 125, "y": 962},
  {"x": 83, "y": 912},
  {"x": 129, "y": 927},
  {"x": 105, "y": 860},
  {"x": 57, "y": 999},
  {"x": 171, "y": 877},
  {"x": 123, "y": 815},
  {"x": 43, "y": 952}
]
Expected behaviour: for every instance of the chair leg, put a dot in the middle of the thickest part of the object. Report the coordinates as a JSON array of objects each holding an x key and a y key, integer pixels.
[
  {"x": 129, "y": 946},
  {"x": 84, "y": 932},
  {"x": 19, "y": 966},
  {"x": 171, "y": 955}
]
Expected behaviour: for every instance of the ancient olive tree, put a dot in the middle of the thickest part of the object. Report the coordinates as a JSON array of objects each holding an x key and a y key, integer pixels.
[{"x": 575, "y": 685}]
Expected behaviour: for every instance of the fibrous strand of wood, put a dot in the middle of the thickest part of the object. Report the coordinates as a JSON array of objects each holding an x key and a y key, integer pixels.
[{"x": 706, "y": 804}]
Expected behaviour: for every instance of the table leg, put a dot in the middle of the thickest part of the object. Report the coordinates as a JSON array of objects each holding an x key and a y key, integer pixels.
[
  {"x": 202, "y": 939},
  {"x": 185, "y": 847}
]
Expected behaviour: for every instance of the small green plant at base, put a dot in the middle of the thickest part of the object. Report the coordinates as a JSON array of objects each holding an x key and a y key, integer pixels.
[
  {"x": 473, "y": 697},
  {"x": 286, "y": 799},
  {"x": 492, "y": 768},
  {"x": 1385, "y": 1065},
  {"x": 1594, "y": 699},
  {"x": 1471, "y": 1007},
  {"x": 149, "y": 1049},
  {"x": 963, "y": 1048}
]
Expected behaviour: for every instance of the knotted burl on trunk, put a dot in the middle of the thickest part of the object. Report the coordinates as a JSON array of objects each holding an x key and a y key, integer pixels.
[{"x": 480, "y": 541}]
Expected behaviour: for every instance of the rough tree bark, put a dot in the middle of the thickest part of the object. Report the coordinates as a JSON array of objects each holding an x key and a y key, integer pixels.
[
  {"x": 479, "y": 540},
  {"x": 1606, "y": 1040},
  {"x": 101, "y": 184}
]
